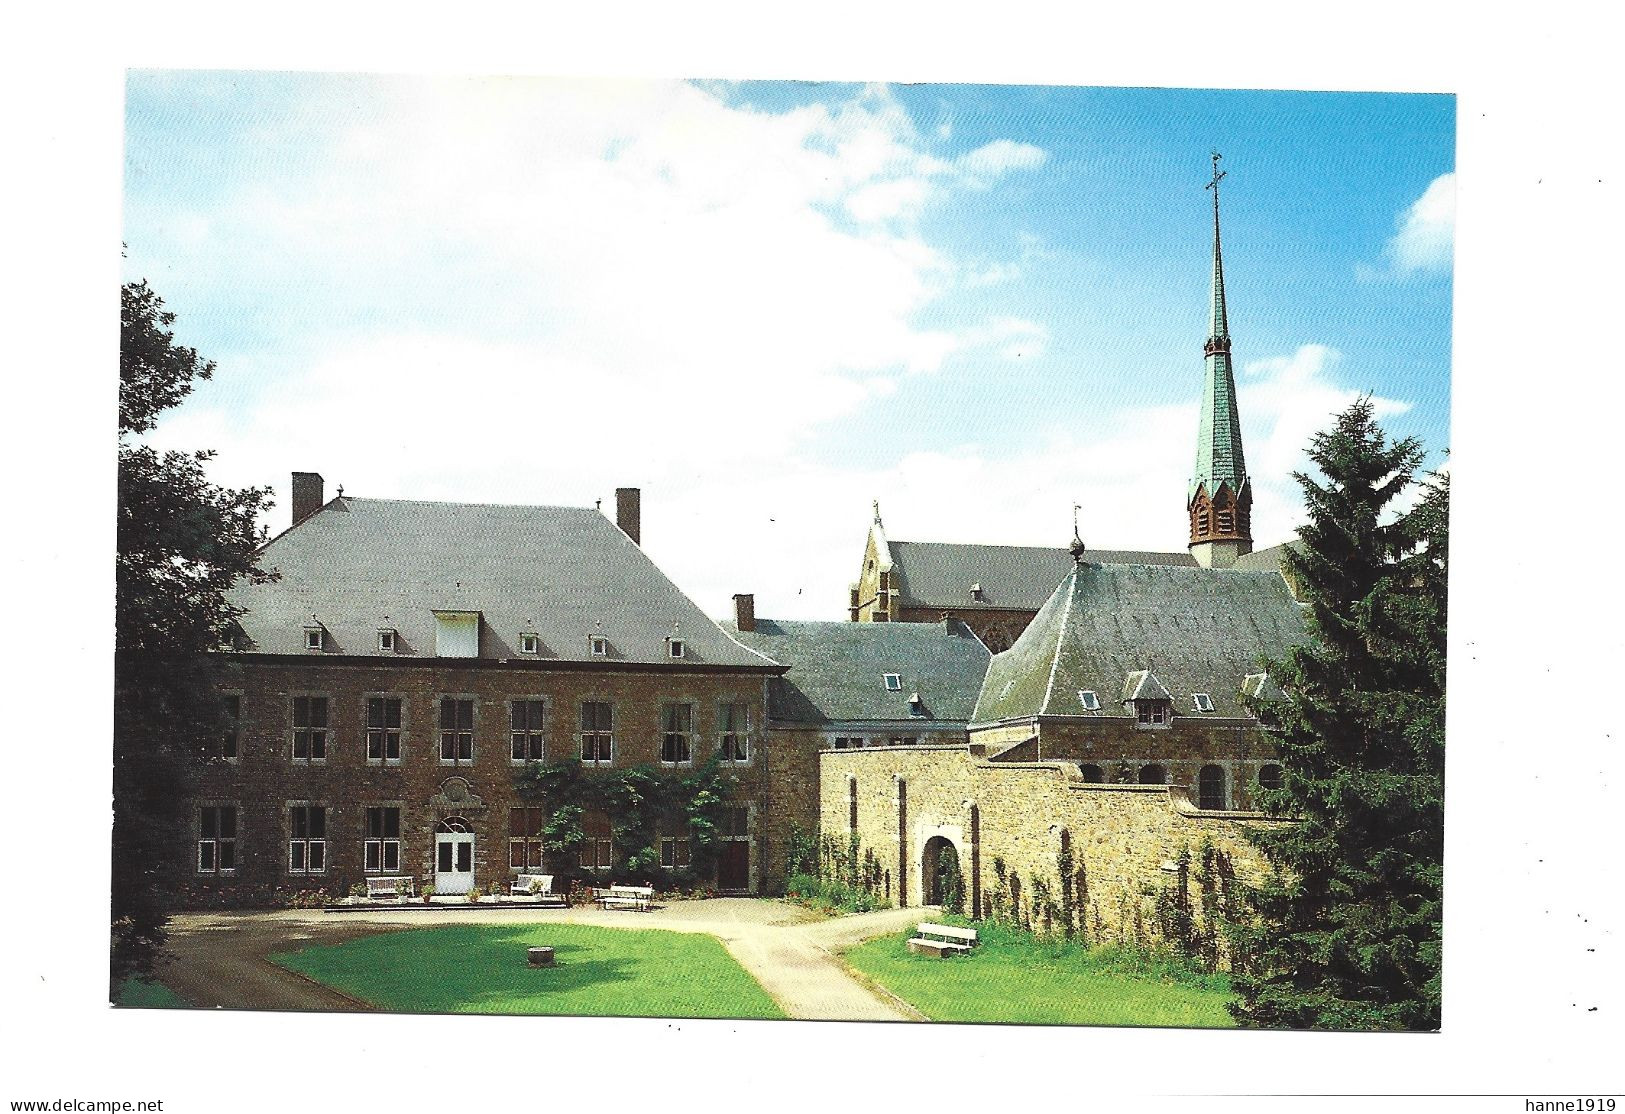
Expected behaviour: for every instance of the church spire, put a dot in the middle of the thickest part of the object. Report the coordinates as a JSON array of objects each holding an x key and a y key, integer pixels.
[{"x": 1220, "y": 499}]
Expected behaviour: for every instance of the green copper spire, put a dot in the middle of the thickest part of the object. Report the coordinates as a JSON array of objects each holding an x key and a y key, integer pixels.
[{"x": 1218, "y": 447}]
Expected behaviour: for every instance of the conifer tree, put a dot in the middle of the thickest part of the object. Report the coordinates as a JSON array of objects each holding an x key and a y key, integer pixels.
[{"x": 1346, "y": 930}]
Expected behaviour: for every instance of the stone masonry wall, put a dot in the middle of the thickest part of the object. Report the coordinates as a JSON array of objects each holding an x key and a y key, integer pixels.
[{"x": 1125, "y": 837}]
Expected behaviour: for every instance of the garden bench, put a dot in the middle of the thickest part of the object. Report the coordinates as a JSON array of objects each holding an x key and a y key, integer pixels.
[
  {"x": 942, "y": 940},
  {"x": 398, "y": 887},
  {"x": 627, "y": 897},
  {"x": 538, "y": 887}
]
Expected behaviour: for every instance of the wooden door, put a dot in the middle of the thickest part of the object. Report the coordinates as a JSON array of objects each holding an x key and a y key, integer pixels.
[{"x": 733, "y": 866}]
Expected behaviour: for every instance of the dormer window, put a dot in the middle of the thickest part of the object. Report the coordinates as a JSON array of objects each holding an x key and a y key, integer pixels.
[
  {"x": 1089, "y": 700},
  {"x": 530, "y": 643},
  {"x": 315, "y": 638},
  {"x": 894, "y": 682},
  {"x": 1153, "y": 713},
  {"x": 976, "y": 592},
  {"x": 599, "y": 645},
  {"x": 457, "y": 634},
  {"x": 1204, "y": 702},
  {"x": 916, "y": 706},
  {"x": 674, "y": 647},
  {"x": 386, "y": 640}
]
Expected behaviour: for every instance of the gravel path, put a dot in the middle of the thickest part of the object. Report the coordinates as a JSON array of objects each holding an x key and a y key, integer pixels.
[{"x": 220, "y": 958}]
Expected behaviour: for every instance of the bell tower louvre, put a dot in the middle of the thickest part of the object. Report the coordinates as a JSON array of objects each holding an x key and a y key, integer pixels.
[{"x": 1220, "y": 499}]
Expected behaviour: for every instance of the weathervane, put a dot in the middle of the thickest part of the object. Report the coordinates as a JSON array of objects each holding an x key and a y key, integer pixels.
[
  {"x": 877, "y": 512},
  {"x": 1217, "y": 174},
  {"x": 1077, "y": 549}
]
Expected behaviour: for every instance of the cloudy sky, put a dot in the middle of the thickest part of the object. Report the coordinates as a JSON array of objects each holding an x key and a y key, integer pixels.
[{"x": 768, "y": 304}]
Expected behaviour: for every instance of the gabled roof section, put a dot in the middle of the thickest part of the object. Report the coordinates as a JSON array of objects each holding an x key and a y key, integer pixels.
[
  {"x": 1142, "y": 684},
  {"x": 1021, "y": 578},
  {"x": 1203, "y": 630},
  {"x": 563, "y": 573},
  {"x": 837, "y": 670}
]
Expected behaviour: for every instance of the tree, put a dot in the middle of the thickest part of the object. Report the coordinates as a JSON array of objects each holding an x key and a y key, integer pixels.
[
  {"x": 182, "y": 543},
  {"x": 1346, "y": 930}
]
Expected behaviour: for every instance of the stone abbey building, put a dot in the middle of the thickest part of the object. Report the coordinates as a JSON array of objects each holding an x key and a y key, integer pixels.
[{"x": 1069, "y": 720}]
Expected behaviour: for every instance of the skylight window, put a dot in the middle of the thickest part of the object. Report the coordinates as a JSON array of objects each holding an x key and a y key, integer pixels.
[
  {"x": 1089, "y": 700},
  {"x": 1204, "y": 702},
  {"x": 894, "y": 682}
]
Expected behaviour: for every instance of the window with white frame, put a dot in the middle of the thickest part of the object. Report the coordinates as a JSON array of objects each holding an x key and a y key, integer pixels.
[
  {"x": 674, "y": 647},
  {"x": 894, "y": 682},
  {"x": 456, "y": 730},
  {"x": 386, "y": 640},
  {"x": 381, "y": 851},
  {"x": 310, "y": 729},
  {"x": 1089, "y": 700},
  {"x": 676, "y": 734},
  {"x": 1203, "y": 701},
  {"x": 384, "y": 730},
  {"x": 315, "y": 638},
  {"x": 597, "y": 732},
  {"x": 525, "y": 729},
  {"x": 307, "y": 839},
  {"x": 217, "y": 839},
  {"x": 599, "y": 645},
  {"x": 525, "y": 826},
  {"x": 733, "y": 731},
  {"x": 530, "y": 644}
]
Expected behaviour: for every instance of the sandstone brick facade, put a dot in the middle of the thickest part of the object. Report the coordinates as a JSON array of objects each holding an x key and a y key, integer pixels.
[{"x": 1124, "y": 839}]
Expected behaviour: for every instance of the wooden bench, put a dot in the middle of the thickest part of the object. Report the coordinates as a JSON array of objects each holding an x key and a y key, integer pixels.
[
  {"x": 627, "y": 897},
  {"x": 537, "y": 887},
  {"x": 942, "y": 940},
  {"x": 398, "y": 887}
]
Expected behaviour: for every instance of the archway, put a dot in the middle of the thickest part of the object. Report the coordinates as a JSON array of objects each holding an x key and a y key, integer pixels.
[{"x": 940, "y": 875}]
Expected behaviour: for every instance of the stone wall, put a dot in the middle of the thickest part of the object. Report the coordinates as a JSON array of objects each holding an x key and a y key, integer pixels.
[{"x": 1124, "y": 839}]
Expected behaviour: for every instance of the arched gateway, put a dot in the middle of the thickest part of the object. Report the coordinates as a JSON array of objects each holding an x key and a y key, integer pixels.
[{"x": 941, "y": 881}]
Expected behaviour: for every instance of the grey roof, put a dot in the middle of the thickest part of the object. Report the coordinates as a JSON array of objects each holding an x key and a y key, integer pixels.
[
  {"x": 1264, "y": 560},
  {"x": 940, "y": 574},
  {"x": 837, "y": 670},
  {"x": 1142, "y": 684},
  {"x": 1198, "y": 630},
  {"x": 563, "y": 573}
]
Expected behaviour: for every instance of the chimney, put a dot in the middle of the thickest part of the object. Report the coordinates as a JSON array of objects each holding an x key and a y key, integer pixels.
[
  {"x": 307, "y": 495},
  {"x": 745, "y": 611},
  {"x": 629, "y": 512}
]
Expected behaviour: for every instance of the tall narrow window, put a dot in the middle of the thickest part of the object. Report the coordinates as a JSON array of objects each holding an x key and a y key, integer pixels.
[
  {"x": 310, "y": 729},
  {"x": 1210, "y": 788},
  {"x": 674, "y": 852},
  {"x": 456, "y": 730},
  {"x": 676, "y": 733},
  {"x": 307, "y": 839},
  {"x": 525, "y": 837},
  {"x": 381, "y": 851},
  {"x": 525, "y": 720},
  {"x": 732, "y": 726},
  {"x": 384, "y": 729},
  {"x": 231, "y": 708},
  {"x": 217, "y": 839},
  {"x": 598, "y": 848},
  {"x": 597, "y": 732}
]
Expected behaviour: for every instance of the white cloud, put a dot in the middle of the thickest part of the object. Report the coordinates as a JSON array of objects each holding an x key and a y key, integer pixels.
[
  {"x": 1427, "y": 230},
  {"x": 999, "y": 157}
]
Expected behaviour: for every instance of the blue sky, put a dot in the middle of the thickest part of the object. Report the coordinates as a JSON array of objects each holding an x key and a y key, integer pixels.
[{"x": 769, "y": 303}]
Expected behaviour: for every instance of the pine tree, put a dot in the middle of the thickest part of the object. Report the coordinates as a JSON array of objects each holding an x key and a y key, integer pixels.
[
  {"x": 182, "y": 542},
  {"x": 1346, "y": 931}
]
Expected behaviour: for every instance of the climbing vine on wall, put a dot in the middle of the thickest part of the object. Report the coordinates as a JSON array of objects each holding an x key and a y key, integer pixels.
[{"x": 642, "y": 803}]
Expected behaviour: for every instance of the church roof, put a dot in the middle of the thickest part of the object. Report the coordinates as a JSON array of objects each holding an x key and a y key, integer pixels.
[
  {"x": 941, "y": 574},
  {"x": 357, "y": 566},
  {"x": 1195, "y": 629},
  {"x": 838, "y": 670}
]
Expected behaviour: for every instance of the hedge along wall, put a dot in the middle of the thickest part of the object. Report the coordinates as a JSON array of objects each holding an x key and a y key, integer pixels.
[{"x": 1129, "y": 851}]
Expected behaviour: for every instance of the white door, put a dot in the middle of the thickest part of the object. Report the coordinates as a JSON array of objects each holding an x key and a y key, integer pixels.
[{"x": 453, "y": 862}]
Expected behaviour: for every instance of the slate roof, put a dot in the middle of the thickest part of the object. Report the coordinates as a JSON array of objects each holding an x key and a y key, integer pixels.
[
  {"x": 1197, "y": 630},
  {"x": 563, "y": 573},
  {"x": 940, "y": 574},
  {"x": 837, "y": 670}
]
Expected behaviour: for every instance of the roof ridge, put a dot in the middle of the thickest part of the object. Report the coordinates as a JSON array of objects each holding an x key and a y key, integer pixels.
[{"x": 458, "y": 503}]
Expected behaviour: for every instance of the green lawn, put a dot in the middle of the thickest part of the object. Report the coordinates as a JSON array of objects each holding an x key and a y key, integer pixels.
[
  {"x": 1011, "y": 977},
  {"x": 141, "y": 994},
  {"x": 603, "y": 972}
]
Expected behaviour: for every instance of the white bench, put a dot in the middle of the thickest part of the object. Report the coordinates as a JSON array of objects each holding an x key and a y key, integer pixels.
[
  {"x": 538, "y": 887},
  {"x": 398, "y": 887},
  {"x": 942, "y": 940},
  {"x": 627, "y": 897}
]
